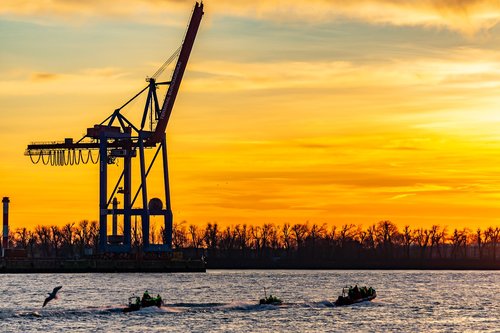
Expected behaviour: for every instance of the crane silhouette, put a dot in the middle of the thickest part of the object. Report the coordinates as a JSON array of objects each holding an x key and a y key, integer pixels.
[{"x": 116, "y": 137}]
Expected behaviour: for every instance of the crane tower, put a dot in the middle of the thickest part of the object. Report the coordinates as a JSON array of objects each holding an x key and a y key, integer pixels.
[{"x": 118, "y": 138}]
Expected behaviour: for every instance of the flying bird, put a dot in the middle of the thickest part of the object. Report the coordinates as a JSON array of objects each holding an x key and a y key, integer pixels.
[{"x": 52, "y": 295}]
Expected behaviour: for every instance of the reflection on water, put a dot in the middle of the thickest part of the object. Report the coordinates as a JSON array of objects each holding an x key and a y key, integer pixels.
[{"x": 409, "y": 301}]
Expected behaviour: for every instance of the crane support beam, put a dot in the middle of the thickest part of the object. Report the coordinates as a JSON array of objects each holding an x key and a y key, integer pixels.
[{"x": 175, "y": 83}]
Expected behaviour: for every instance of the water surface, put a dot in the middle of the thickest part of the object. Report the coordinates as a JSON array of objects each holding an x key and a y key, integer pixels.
[{"x": 227, "y": 301}]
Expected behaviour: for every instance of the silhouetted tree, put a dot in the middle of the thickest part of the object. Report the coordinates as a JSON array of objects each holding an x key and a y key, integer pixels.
[
  {"x": 407, "y": 240},
  {"x": 422, "y": 239},
  {"x": 67, "y": 234},
  {"x": 211, "y": 237},
  {"x": 492, "y": 236},
  {"x": 287, "y": 237},
  {"x": 179, "y": 235},
  {"x": 386, "y": 232},
  {"x": 22, "y": 238}
]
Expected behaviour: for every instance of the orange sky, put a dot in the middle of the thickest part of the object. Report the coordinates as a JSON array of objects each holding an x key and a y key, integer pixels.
[{"x": 320, "y": 111}]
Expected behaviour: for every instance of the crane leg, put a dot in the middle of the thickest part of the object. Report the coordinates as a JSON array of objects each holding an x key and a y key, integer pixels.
[
  {"x": 168, "y": 208},
  {"x": 103, "y": 193}
]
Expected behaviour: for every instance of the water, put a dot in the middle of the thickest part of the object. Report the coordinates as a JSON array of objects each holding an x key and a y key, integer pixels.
[{"x": 226, "y": 301}]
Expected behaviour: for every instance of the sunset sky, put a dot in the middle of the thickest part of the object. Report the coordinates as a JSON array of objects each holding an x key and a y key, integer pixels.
[{"x": 326, "y": 111}]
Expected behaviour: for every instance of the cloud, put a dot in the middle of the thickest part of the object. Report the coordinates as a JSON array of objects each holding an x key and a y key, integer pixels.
[
  {"x": 76, "y": 12},
  {"x": 401, "y": 196},
  {"x": 465, "y": 16},
  {"x": 463, "y": 68},
  {"x": 43, "y": 76},
  {"x": 87, "y": 81}
]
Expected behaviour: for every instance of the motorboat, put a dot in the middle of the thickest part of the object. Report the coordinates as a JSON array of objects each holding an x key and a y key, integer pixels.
[
  {"x": 136, "y": 303},
  {"x": 357, "y": 294},
  {"x": 271, "y": 300}
]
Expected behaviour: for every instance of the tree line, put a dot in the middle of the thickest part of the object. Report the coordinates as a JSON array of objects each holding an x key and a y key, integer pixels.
[{"x": 299, "y": 241}]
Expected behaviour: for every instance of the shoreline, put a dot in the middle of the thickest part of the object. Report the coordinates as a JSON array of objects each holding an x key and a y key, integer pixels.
[
  {"x": 364, "y": 265},
  {"x": 9, "y": 266},
  {"x": 12, "y": 266}
]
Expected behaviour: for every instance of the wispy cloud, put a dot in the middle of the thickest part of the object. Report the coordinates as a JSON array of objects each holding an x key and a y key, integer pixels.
[
  {"x": 86, "y": 81},
  {"x": 465, "y": 16},
  {"x": 43, "y": 76},
  {"x": 463, "y": 68},
  {"x": 401, "y": 196}
]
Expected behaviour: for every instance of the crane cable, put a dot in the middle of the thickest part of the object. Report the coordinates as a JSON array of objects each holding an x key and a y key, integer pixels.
[{"x": 166, "y": 63}]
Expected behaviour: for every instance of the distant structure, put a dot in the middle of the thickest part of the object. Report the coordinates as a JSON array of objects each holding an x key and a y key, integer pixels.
[
  {"x": 5, "y": 237},
  {"x": 118, "y": 138}
]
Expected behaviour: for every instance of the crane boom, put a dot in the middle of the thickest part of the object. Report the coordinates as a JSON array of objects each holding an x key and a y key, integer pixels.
[{"x": 175, "y": 83}]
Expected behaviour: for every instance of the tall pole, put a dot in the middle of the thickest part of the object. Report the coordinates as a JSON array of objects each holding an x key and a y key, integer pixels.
[{"x": 5, "y": 238}]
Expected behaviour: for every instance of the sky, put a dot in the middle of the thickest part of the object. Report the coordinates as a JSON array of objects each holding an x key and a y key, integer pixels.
[{"x": 324, "y": 111}]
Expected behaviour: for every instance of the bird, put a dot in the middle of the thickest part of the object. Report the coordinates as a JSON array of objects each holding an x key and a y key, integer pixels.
[{"x": 52, "y": 295}]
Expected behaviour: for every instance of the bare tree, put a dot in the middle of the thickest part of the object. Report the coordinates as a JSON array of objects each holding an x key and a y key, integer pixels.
[
  {"x": 492, "y": 236},
  {"x": 407, "y": 239},
  {"x": 43, "y": 234},
  {"x": 386, "y": 232},
  {"x": 479, "y": 240},
  {"x": 22, "y": 237},
  {"x": 55, "y": 239},
  {"x": 422, "y": 239},
  {"x": 179, "y": 235},
  {"x": 370, "y": 241},
  {"x": 286, "y": 237},
  {"x": 67, "y": 234},
  {"x": 82, "y": 236},
  {"x": 256, "y": 233},
  {"x": 316, "y": 232},
  {"x": 346, "y": 234},
  {"x": 211, "y": 237},
  {"x": 94, "y": 235},
  {"x": 242, "y": 238},
  {"x": 437, "y": 235},
  {"x": 459, "y": 243},
  {"x": 299, "y": 232},
  {"x": 196, "y": 239},
  {"x": 228, "y": 240}
]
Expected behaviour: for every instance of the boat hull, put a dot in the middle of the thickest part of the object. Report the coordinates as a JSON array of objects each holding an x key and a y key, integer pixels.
[
  {"x": 143, "y": 304},
  {"x": 348, "y": 301}
]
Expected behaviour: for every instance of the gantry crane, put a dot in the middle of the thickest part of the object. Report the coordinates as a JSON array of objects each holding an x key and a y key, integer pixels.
[{"x": 118, "y": 138}]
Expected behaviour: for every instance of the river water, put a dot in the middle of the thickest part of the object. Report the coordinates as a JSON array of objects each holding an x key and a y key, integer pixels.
[{"x": 226, "y": 301}]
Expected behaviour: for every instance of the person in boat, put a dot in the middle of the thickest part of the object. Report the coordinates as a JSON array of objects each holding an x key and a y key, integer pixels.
[
  {"x": 146, "y": 296},
  {"x": 158, "y": 299},
  {"x": 356, "y": 293}
]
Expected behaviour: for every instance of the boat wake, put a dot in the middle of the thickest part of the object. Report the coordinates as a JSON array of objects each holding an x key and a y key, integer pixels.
[{"x": 169, "y": 308}]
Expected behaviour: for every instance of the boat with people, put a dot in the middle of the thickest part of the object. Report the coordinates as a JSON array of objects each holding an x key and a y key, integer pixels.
[
  {"x": 357, "y": 294},
  {"x": 271, "y": 300},
  {"x": 136, "y": 303}
]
